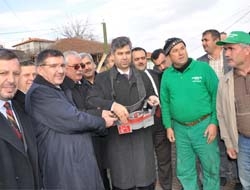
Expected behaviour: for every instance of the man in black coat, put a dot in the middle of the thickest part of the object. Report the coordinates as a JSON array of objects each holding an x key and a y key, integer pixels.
[
  {"x": 74, "y": 84},
  {"x": 161, "y": 143},
  {"x": 123, "y": 90},
  {"x": 18, "y": 160}
]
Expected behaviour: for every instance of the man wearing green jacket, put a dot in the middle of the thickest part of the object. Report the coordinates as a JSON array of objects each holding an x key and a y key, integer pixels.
[{"x": 188, "y": 100}]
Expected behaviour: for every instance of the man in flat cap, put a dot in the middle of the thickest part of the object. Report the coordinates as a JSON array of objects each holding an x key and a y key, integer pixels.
[
  {"x": 188, "y": 99},
  {"x": 233, "y": 102}
]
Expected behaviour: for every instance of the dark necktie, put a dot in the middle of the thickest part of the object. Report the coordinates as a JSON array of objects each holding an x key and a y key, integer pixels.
[
  {"x": 126, "y": 76},
  {"x": 12, "y": 120}
]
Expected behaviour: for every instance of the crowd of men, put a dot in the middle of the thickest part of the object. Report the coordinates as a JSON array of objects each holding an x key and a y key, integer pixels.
[{"x": 65, "y": 126}]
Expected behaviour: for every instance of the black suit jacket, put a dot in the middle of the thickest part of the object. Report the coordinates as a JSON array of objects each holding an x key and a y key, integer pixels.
[
  {"x": 156, "y": 77},
  {"x": 18, "y": 162}
]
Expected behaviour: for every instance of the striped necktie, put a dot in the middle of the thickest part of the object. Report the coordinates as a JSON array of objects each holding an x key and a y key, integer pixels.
[{"x": 12, "y": 120}]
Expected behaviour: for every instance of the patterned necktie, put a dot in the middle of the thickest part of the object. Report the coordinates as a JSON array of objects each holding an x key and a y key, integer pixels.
[{"x": 12, "y": 120}]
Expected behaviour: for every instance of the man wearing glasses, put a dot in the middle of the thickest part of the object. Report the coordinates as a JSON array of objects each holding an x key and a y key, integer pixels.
[
  {"x": 73, "y": 79},
  {"x": 79, "y": 66},
  {"x": 66, "y": 155}
]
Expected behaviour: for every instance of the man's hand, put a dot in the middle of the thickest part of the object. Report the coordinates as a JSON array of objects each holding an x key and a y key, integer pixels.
[
  {"x": 107, "y": 113},
  {"x": 120, "y": 111},
  {"x": 211, "y": 133},
  {"x": 232, "y": 153},
  {"x": 170, "y": 134},
  {"x": 109, "y": 118},
  {"x": 153, "y": 100}
]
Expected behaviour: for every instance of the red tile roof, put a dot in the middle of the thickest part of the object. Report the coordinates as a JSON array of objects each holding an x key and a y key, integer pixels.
[
  {"x": 79, "y": 45},
  {"x": 33, "y": 40}
]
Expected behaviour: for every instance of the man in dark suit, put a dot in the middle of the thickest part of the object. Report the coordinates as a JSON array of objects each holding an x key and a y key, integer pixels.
[
  {"x": 161, "y": 143},
  {"x": 18, "y": 160},
  {"x": 123, "y": 90}
]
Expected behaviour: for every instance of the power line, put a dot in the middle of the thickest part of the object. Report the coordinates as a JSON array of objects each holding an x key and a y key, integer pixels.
[
  {"x": 25, "y": 31},
  {"x": 14, "y": 13},
  {"x": 237, "y": 20},
  {"x": 9, "y": 7},
  {"x": 35, "y": 30},
  {"x": 226, "y": 28}
]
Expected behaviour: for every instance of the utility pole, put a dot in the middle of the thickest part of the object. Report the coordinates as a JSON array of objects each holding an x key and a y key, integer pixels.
[
  {"x": 105, "y": 45},
  {"x": 105, "y": 48}
]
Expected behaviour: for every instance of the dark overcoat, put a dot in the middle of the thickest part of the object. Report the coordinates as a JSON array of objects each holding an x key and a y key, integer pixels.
[
  {"x": 130, "y": 156},
  {"x": 18, "y": 163},
  {"x": 66, "y": 155}
]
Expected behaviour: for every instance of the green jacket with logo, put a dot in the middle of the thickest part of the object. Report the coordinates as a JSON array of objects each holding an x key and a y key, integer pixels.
[{"x": 187, "y": 96}]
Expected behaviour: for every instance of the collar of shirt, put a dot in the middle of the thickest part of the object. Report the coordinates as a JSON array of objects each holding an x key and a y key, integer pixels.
[
  {"x": 2, "y": 108},
  {"x": 122, "y": 72},
  {"x": 220, "y": 58}
]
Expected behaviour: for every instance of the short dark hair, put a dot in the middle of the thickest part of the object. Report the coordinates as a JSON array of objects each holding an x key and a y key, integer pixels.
[
  {"x": 215, "y": 33},
  {"x": 120, "y": 42},
  {"x": 223, "y": 33},
  {"x": 43, "y": 55},
  {"x": 139, "y": 49},
  {"x": 156, "y": 54},
  {"x": 27, "y": 63},
  {"x": 6, "y": 54}
]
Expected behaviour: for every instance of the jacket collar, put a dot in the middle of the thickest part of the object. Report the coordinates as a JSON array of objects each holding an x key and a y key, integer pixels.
[
  {"x": 68, "y": 83},
  {"x": 40, "y": 80},
  {"x": 229, "y": 75},
  {"x": 117, "y": 73},
  {"x": 187, "y": 66}
]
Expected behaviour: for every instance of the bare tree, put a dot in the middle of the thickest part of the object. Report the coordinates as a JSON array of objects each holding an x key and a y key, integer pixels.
[{"x": 77, "y": 29}]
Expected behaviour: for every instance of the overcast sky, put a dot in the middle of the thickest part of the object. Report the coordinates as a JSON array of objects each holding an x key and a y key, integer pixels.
[{"x": 148, "y": 23}]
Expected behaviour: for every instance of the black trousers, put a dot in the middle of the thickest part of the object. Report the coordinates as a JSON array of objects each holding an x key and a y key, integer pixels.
[
  {"x": 149, "y": 187},
  {"x": 163, "y": 154}
]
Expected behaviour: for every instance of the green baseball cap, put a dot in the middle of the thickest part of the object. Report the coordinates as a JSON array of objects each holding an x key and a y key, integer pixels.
[{"x": 235, "y": 37}]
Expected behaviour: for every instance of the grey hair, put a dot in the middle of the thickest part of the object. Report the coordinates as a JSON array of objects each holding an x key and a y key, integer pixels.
[
  {"x": 83, "y": 55},
  {"x": 66, "y": 54},
  {"x": 120, "y": 42}
]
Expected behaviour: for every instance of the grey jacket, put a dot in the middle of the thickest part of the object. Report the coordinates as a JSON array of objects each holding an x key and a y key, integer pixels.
[
  {"x": 226, "y": 111},
  {"x": 226, "y": 67}
]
